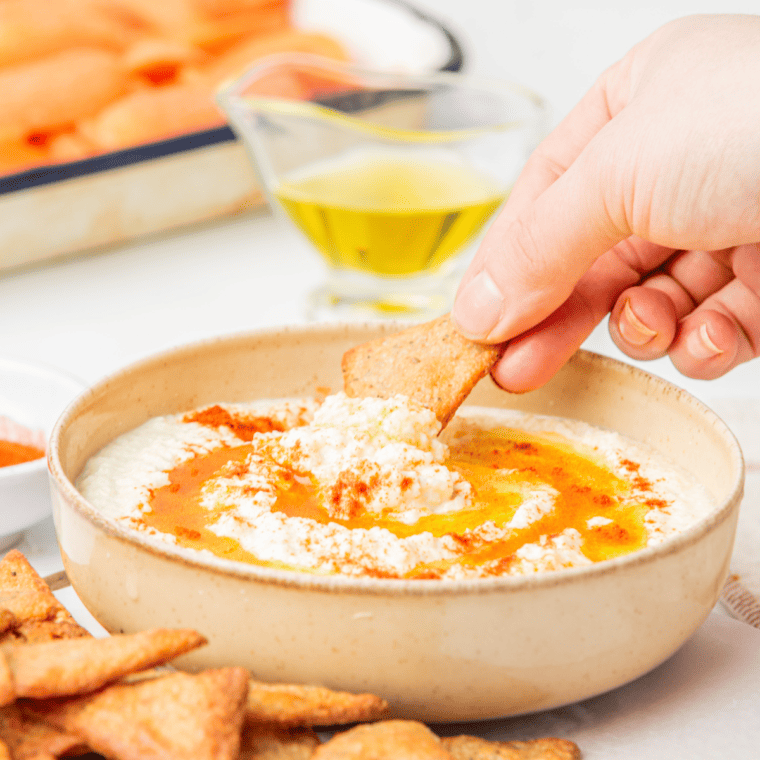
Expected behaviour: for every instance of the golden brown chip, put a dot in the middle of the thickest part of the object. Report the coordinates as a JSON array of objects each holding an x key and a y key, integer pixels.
[
  {"x": 39, "y": 614},
  {"x": 405, "y": 739},
  {"x": 77, "y": 666},
  {"x": 272, "y": 743},
  {"x": 37, "y": 631},
  {"x": 296, "y": 705},
  {"x": 7, "y": 685},
  {"x": 27, "y": 738},
  {"x": 430, "y": 363},
  {"x": 7, "y": 621},
  {"x": 180, "y": 716},
  {"x": 474, "y": 748}
]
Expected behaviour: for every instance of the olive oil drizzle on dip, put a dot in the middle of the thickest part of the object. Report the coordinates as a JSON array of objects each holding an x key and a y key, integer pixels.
[{"x": 607, "y": 511}]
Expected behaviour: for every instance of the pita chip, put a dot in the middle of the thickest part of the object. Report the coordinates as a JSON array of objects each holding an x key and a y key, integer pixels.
[
  {"x": 7, "y": 684},
  {"x": 29, "y": 739},
  {"x": 39, "y": 615},
  {"x": 475, "y": 748},
  {"x": 180, "y": 716},
  {"x": 405, "y": 739},
  {"x": 7, "y": 621},
  {"x": 430, "y": 363},
  {"x": 296, "y": 705},
  {"x": 273, "y": 743},
  {"x": 76, "y": 666}
]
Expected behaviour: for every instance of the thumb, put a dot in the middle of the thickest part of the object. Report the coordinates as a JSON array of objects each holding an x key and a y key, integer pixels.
[{"x": 528, "y": 263}]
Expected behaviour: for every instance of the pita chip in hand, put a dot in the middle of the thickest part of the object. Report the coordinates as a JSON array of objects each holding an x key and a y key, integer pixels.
[{"x": 431, "y": 363}]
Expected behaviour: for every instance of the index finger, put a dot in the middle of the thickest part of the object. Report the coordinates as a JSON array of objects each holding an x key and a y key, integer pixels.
[{"x": 554, "y": 155}]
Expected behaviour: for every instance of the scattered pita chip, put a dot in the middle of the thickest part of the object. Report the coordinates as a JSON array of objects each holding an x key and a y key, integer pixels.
[
  {"x": 272, "y": 743},
  {"x": 7, "y": 621},
  {"x": 296, "y": 705},
  {"x": 179, "y": 716},
  {"x": 40, "y": 616},
  {"x": 37, "y": 631},
  {"x": 405, "y": 739},
  {"x": 29, "y": 739},
  {"x": 475, "y": 748},
  {"x": 430, "y": 363},
  {"x": 7, "y": 684},
  {"x": 77, "y": 666}
]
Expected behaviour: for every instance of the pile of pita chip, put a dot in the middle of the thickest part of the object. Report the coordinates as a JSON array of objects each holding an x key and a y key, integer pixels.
[
  {"x": 431, "y": 363},
  {"x": 64, "y": 693},
  {"x": 412, "y": 740}
]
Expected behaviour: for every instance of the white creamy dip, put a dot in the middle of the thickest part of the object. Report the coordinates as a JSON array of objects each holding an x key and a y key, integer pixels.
[{"x": 378, "y": 471}]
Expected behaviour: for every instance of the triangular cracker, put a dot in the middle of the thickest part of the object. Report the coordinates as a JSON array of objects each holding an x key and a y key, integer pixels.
[
  {"x": 405, "y": 739},
  {"x": 7, "y": 621},
  {"x": 296, "y": 705},
  {"x": 272, "y": 743},
  {"x": 29, "y": 739},
  {"x": 7, "y": 683},
  {"x": 431, "y": 363},
  {"x": 39, "y": 615},
  {"x": 77, "y": 666},
  {"x": 475, "y": 748},
  {"x": 179, "y": 716}
]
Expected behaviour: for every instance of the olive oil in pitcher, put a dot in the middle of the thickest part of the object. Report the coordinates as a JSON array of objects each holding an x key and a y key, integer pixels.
[{"x": 389, "y": 214}]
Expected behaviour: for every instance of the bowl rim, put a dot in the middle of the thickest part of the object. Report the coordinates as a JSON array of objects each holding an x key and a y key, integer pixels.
[
  {"x": 45, "y": 371},
  {"x": 336, "y": 583}
]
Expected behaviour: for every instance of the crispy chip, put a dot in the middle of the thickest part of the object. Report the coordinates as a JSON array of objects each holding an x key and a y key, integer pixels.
[
  {"x": 474, "y": 748},
  {"x": 27, "y": 738},
  {"x": 272, "y": 743},
  {"x": 7, "y": 620},
  {"x": 37, "y": 631},
  {"x": 295, "y": 705},
  {"x": 180, "y": 716},
  {"x": 77, "y": 666},
  {"x": 405, "y": 739},
  {"x": 430, "y": 363},
  {"x": 40, "y": 616},
  {"x": 7, "y": 684}
]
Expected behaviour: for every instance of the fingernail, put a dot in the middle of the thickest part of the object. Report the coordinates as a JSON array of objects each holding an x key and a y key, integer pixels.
[
  {"x": 700, "y": 345},
  {"x": 478, "y": 306},
  {"x": 633, "y": 330}
]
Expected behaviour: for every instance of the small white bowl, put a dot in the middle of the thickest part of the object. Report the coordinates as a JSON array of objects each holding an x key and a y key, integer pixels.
[{"x": 33, "y": 395}]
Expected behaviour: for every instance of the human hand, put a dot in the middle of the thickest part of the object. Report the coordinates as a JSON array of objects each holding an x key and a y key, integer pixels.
[{"x": 645, "y": 203}]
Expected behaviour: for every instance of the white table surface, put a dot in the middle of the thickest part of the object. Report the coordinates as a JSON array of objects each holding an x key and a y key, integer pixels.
[{"x": 92, "y": 314}]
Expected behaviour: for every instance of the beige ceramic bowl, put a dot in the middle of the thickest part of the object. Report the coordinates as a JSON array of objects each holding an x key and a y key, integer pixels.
[{"x": 437, "y": 650}]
